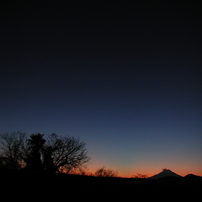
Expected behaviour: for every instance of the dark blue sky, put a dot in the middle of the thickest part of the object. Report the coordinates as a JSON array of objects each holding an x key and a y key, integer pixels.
[{"x": 125, "y": 78}]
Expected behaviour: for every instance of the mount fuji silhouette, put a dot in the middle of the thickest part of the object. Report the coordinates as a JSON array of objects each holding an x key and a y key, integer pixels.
[{"x": 165, "y": 173}]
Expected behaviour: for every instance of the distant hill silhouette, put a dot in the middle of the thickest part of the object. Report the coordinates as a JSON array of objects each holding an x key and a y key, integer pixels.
[
  {"x": 192, "y": 177},
  {"x": 165, "y": 173}
]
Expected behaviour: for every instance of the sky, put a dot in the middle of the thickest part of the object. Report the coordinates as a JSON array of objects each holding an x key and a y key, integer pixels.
[{"x": 124, "y": 77}]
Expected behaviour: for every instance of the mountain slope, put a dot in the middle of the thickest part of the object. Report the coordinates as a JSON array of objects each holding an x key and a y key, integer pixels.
[{"x": 165, "y": 173}]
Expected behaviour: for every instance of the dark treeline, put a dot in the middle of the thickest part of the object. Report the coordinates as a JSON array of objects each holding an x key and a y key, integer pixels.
[
  {"x": 38, "y": 152},
  {"x": 52, "y": 153}
]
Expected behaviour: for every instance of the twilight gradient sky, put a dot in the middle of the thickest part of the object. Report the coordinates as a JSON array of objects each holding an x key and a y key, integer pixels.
[{"x": 124, "y": 77}]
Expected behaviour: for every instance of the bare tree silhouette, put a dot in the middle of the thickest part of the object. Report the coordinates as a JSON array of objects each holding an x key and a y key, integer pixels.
[
  {"x": 11, "y": 148},
  {"x": 67, "y": 153}
]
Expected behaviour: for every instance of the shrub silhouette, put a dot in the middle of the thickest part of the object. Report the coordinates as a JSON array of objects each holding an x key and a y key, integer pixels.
[
  {"x": 138, "y": 175},
  {"x": 103, "y": 172}
]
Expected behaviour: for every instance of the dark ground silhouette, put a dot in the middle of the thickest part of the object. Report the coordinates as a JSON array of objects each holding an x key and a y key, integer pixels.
[{"x": 42, "y": 185}]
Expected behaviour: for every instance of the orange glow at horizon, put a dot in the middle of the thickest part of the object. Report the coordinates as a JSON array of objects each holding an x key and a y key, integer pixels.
[{"x": 150, "y": 171}]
